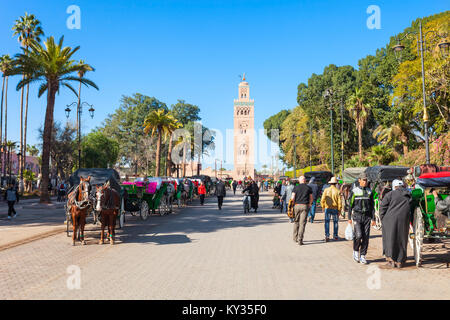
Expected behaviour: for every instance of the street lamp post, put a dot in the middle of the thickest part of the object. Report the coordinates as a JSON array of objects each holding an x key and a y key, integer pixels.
[
  {"x": 342, "y": 137},
  {"x": 79, "y": 112},
  {"x": 328, "y": 94},
  {"x": 444, "y": 47}
]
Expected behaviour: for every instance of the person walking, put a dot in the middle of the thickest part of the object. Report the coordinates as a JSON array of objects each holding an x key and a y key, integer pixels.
[
  {"x": 202, "y": 193},
  {"x": 302, "y": 196},
  {"x": 253, "y": 190},
  {"x": 361, "y": 213},
  {"x": 332, "y": 203},
  {"x": 235, "y": 184},
  {"x": 289, "y": 189},
  {"x": 220, "y": 193},
  {"x": 283, "y": 198},
  {"x": 395, "y": 214},
  {"x": 12, "y": 197},
  {"x": 315, "y": 189}
]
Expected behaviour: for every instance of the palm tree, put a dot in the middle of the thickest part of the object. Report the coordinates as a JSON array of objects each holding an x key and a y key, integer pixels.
[
  {"x": 10, "y": 146},
  {"x": 359, "y": 111},
  {"x": 28, "y": 28},
  {"x": 172, "y": 126},
  {"x": 5, "y": 68},
  {"x": 33, "y": 150},
  {"x": 399, "y": 132},
  {"x": 158, "y": 122},
  {"x": 52, "y": 66}
]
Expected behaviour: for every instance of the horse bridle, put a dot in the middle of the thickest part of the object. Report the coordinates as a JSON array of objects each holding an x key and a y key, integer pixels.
[
  {"x": 86, "y": 202},
  {"x": 104, "y": 187}
]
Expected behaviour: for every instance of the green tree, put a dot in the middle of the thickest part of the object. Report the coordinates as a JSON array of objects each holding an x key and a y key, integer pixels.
[
  {"x": 99, "y": 150},
  {"x": 53, "y": 66},
  {"x": 185, "y": 112},
  {"x": 62, "y": 148},
  {"x": 359, "y": 112},
  {"x": 275, "y": 122},
  {"x": 126, "y": 126},
  {"x": 159, "y": 123}
]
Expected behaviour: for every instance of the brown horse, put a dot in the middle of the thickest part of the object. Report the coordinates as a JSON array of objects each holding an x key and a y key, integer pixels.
[
  {"x": 108, "y": 204},
  {"x": 79, "y": 203}
]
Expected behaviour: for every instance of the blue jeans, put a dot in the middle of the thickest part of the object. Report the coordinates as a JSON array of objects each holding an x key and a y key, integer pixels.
[
  {"x": 328, "y": 214},
  {"x": 312, "y": 211}
]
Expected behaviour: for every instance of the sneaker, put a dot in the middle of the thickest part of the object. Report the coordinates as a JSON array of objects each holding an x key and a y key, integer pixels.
[
  {"x": 15, "y": 215},
  {"x": 363, "y": 260},
  {"x": 356, "y": 256},
  {"x": 327, "y": 239},
  {"x": 336, "y": 238},
  {"x": 9, "y": 217}
]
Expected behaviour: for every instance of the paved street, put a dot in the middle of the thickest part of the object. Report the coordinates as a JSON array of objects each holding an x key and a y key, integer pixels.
[{"x": 204, "y": 253}]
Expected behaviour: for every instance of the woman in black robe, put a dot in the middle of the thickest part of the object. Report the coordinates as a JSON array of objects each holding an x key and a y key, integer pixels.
[{"x": 395, "y": 214}]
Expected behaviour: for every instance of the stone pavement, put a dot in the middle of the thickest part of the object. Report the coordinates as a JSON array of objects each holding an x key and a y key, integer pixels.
[
  {"x": 33, "y": 221},
  {"x": 203, "y": 253}
]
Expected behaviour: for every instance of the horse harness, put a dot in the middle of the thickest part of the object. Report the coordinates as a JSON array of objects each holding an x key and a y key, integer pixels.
[{"x": 86, "y": 202}]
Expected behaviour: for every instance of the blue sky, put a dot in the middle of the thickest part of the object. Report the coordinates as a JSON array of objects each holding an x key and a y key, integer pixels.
[{"x": 196, "y": 50}]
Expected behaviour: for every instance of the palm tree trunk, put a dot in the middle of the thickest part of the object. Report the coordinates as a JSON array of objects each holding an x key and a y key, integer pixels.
[
  {"x": 25, "y": 134},
  {"x": 169, "y": 158},
  {"x": 47, "y": 139},
  {"x": 1, "y": 129},
  {"x": 184, "y": 160},
  {"x": 21, "y": 136},
  {"x": 405, "y": 143},
  {"x": 360, "y": 141},
  {"x": 6, "y": 120},
  {"x": 158, "y": 152}
]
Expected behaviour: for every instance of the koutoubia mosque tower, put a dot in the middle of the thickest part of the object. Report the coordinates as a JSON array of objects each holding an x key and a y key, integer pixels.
[{"x": 244, "y": 124}]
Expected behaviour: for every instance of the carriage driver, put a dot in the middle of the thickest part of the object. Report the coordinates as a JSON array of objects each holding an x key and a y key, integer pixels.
[{"x": 361, "y": 211}]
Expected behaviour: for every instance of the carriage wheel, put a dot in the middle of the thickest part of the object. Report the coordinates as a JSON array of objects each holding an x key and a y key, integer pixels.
[
  {"x": 418, "y": 236},
  {"x": 377, "y": 220},
  {"x": 121, "y": 215},
  {"x": 144, "y": 210},
  {"x": 163, "y": 206}
]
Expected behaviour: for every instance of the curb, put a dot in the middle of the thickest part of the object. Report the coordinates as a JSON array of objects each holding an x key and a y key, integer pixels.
[{"x": 33, "y": 238}]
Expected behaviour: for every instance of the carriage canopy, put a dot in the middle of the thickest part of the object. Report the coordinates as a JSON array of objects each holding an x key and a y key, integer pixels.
[
  {"x": 322, "y": 177},
  {"x": 350, "y": 175},
  {"x": 98, "y": 177},
  {"x": 386, "y": 173}
]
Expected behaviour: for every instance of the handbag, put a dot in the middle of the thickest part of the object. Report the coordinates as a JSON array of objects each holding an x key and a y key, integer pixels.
[{"x": 290, "y": 211}]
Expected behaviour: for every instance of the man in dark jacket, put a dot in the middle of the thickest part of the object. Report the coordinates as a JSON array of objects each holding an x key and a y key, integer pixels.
[
  {"x": 220, "y": 193},
  {"x": 12, "y": 196},
  {"x": 395, "y": 214},
  {"x": 315, "y": 192},
  {"x": 253, "y": 189},
  {"x": 361, "y": 211},
  {"x": 235, "y": 184}
]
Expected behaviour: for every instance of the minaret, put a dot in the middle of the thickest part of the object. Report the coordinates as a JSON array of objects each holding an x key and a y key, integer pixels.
[{"x": 244, "y": 124}]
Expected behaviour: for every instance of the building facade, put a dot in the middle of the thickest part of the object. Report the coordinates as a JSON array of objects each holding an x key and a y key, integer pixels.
[{"x": 244, "y": 125}]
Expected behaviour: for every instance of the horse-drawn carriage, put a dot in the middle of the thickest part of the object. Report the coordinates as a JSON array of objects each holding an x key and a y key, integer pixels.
[
  {"x": 349, "y": 177},
  {"x": 85, "y": 200},
  {"x": 431, "y": 214},
  {"x": 151, "y": 194},
  {"x": 380, "y": 181}
]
